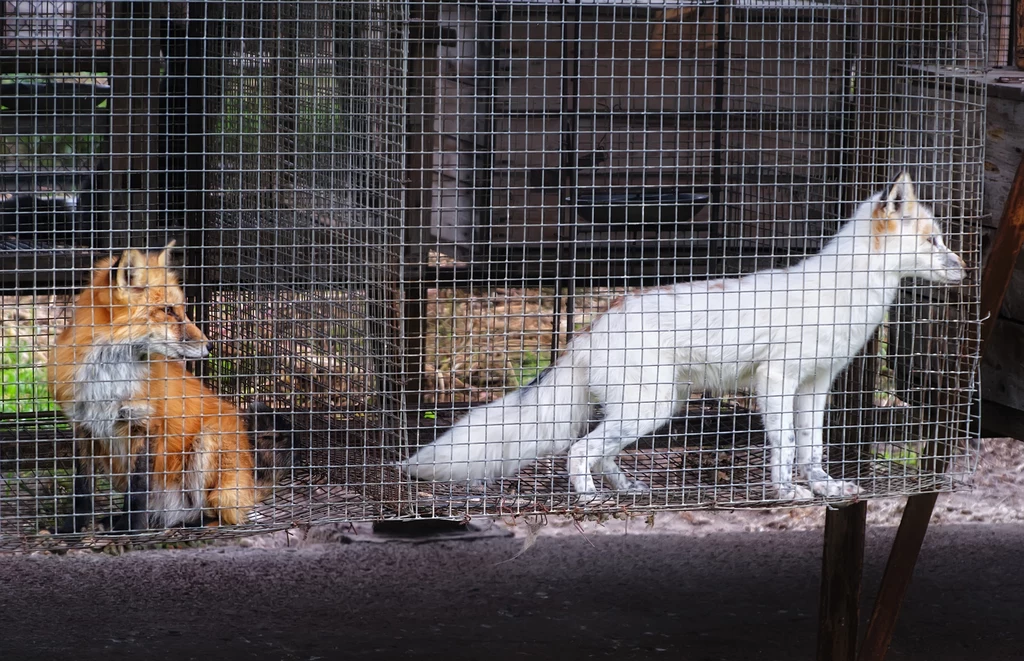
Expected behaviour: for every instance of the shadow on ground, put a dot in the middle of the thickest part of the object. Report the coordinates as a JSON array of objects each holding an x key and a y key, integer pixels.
[{"x": 725, "y": 596}]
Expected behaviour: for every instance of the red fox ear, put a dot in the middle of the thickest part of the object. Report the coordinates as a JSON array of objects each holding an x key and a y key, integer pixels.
[
  {"x": 130, "y": 269},
  {"x": 161, "y": 259}
]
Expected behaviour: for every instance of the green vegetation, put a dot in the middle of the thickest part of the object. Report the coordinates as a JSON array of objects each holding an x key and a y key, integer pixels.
[
  {"x": 533, "y": 363},
  {"x": 901, "y": 454},
  {"x": 22, "y": 380},
  {"x": 49, "y": 150}
]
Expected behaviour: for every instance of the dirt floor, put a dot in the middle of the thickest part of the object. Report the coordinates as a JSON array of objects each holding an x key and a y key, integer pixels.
[
  {"x": 723, "y": 597},
  {"x": 706, "y": 586},
  {"x": 739, "y": 586}
]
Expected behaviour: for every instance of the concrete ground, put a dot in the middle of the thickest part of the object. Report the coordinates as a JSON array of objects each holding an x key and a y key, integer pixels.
[{"x": 734, "y": 596}]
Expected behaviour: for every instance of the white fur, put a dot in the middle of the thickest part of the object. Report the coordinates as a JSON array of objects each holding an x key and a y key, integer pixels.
[
  {"x": 104, "y": 409},
  {"x": 783, "y": 335}
]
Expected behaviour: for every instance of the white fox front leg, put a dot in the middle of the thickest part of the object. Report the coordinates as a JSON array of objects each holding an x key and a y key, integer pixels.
[
  {"x": 776, "y": 399},
  {"x": 580, "y": 477},
  {"x": 810, "y": 434}
]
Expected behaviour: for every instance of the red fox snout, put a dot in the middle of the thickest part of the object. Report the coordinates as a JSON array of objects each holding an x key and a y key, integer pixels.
[{"x": 173, "y": 334}]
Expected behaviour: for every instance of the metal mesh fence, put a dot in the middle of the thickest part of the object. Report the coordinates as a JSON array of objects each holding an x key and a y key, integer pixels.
[{"x": 386, "y": 215}]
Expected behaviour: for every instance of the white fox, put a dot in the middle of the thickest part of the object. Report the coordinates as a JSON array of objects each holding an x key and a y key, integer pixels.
[{"x": 782, "y": 334}]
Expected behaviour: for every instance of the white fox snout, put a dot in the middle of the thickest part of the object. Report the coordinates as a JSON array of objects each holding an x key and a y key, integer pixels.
[
  {"x": 956, "y": 270},
  {"x": 947, "y": 267}
]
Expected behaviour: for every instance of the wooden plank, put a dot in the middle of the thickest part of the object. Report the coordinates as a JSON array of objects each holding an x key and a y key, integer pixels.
[
  {"x": 457, "y": 129},
  {"x": 1003, "y": 382},
  {"x": 1013, "y": 303},
  {"x": 1001, "y": 421},
  {"x": 1003, "y": 121},
  {"x": 842, "y": 568},
  {"x": 999, "y": 33},
  {"x": 1006, "y": 339},
  {"x": 896, "y": 579},
  {"x": 48, "y": 61},
  {"x": 998, "y": 271}
]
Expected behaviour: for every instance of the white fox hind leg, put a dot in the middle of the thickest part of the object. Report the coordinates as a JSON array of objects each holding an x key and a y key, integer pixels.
[
  {"x": 598, "y": 449},
  {"x": 618, "y": 479},
  {"x": 648, "y": 408},
  {"x": 776, "y": 399},
  {"x": 810, "y": 433}
]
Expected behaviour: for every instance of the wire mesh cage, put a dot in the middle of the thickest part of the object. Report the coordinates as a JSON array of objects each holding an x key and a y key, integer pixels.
[{"x": 260, "y": 257}]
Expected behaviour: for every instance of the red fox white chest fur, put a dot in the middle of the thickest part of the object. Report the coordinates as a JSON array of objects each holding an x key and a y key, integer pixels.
[{"x": 176, "y": 449}]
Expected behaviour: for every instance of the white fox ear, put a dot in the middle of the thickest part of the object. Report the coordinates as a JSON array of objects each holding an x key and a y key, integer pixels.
[
  {"x": 129, "y": 269},
  {"x": 902, "y": 192}
]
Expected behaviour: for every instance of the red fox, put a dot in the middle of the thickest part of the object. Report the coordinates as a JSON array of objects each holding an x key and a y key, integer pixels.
[{"x": 178, "y": 451}]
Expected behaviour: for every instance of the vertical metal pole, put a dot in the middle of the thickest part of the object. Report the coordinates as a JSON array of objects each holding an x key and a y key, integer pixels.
[{"x": 568, "y": 180}]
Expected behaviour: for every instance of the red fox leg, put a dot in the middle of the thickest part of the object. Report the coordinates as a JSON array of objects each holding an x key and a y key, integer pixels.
[{"x": 232, "y": 501}]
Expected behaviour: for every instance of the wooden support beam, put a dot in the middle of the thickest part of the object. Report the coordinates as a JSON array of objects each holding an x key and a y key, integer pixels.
[
  {"x": 995, "y": 279},
  {"x": 896, "y": 579},
  {"x": 842, "y": 568},
  {"x": 1019, "y": 54}
]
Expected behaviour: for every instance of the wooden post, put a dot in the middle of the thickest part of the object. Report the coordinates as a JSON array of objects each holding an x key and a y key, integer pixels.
[
  {"x": 995, "y": 279},
  {"x": 1019, "y": 10},
  {"x": 842, "y": 567},
  {"x": 134, "y": 144}
]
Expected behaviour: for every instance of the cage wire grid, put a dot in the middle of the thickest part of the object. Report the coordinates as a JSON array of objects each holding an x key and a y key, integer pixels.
[{"x": 387, "y": 214}]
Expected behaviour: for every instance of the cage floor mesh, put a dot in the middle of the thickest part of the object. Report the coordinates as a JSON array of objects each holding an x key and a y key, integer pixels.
[{"x": 711, "y": 458}]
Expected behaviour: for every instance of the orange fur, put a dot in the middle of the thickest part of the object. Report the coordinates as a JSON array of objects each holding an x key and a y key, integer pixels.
[
  {"x": 193, "y": 436},
  {"x": 881, "y": 224}
]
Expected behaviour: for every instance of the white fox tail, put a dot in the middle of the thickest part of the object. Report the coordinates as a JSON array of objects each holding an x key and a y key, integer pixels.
[{"x": 497, "y": 440}]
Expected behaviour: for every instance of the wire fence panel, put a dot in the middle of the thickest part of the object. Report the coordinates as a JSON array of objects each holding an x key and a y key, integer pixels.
[
  {"x": 275, "y": 264},
  {"x": 588, "y": 156}
]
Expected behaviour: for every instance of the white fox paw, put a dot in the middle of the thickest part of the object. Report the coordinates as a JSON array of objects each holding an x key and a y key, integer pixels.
[
  {"x": 832, "y": 488},
  {"x": 635, "y": 487},
  {"x": 794, "y": 492},
  {"x": 625, "y": 485}
]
